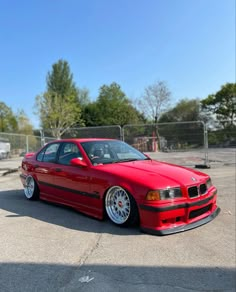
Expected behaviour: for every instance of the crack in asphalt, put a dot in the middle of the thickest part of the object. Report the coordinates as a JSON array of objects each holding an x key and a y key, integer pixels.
[
  {"x": 90, "y": 252},
  {"x": 83, "y": 259}
]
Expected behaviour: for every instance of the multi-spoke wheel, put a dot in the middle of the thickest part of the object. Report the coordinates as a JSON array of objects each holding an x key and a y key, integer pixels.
[
  {"x": 121, "y": 207},
  {"x": 31, "y": 189}
]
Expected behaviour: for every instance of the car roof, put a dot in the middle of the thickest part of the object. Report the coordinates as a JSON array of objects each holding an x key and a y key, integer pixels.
[{"x": 79, "y": 140}]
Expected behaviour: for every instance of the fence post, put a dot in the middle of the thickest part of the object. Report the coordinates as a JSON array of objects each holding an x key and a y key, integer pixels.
[
  {"x": 27, "y": 143},
  {"x": 42, "y": 137},
  {"x": 122, "y": 133},
  {"x": 206, "y": 145},
  {"x": 205, "y": 137}
]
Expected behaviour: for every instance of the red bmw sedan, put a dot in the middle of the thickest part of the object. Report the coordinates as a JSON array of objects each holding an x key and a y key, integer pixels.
[{"x": 105, "y": 177}]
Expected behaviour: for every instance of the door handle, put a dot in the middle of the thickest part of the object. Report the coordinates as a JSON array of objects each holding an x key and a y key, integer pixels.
[
  {"x": 58, "y": 169},
  {"x": 36, "y": 166}
]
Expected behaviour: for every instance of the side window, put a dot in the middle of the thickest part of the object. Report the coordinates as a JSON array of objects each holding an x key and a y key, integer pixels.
[
  {"x": 40, "y": 155},
  {"x": 68, "y": 151},
  {"x": 49, "y": 153}
]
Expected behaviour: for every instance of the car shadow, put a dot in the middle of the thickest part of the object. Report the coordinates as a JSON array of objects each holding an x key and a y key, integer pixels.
[
  {"x": 106, "y": 277},
  {"x": 14, "y": 201}
]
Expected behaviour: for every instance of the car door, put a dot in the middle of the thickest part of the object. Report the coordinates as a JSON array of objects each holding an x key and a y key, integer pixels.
[
  {"x": 73, "y": 182},
  {"x": 44, "y": 169}
]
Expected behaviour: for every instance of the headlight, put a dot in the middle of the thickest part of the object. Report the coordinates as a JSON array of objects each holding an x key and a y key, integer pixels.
[
  {"x": 164, "y": 194},
  {"x": 208, "y": 183}
]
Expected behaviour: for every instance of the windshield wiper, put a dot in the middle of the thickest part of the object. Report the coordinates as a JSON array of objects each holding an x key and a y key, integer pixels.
[
  {"x": 125, "y": 160},
  {"x": 147, "y": 158}
]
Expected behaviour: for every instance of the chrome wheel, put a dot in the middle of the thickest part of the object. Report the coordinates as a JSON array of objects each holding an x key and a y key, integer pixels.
[
  {"x": 30, "y": 188},
  {"x": 117, "y": 205}
]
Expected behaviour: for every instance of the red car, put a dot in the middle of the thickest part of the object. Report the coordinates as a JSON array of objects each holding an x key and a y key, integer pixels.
[{"x": 108, "y": 177}]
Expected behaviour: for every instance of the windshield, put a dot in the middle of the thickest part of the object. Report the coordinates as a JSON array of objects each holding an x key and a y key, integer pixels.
[{"x": 105, "y": 152}]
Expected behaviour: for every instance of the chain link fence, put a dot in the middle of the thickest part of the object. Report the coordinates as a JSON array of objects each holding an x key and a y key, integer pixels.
[
  {"x": 185, "y": 143},
  {"x": 166, "y": 137},
  {"x": 171, "y": 142},
  {"x": 222, "y": 134},
  {"x": 19, "y": 144},
  {"x": 112, "y": 132}
]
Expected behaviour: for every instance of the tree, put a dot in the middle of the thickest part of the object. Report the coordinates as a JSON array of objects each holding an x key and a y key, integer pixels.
[
  {"x": 153, "y": 103},
  {"x": 222, "y": 107},
  {"x": 26, "y": 128},
  {"x": 58, "y": 107},
  {"x": 24, "y": 125},
  {"x": 155, "y": 100},
  {"x": 222, "y": 104},
  {"x": 185, "y": 110},
  {"x": 8, "y": 122},
  {"x": 60, "y": 80},
  {"x": 111, "y": 108},
  {"x": 91, "y": 115},
  {"x": 176, "y": 132},
  {"x": 83, "y": 97},
  {"x": 87, "y": 107}
]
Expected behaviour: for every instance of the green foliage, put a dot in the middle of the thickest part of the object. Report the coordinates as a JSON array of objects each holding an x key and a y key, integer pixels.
[
  {"x": 222, "y": 103},
  {"x": 24, "y": 125},
  {"x": 83, "y": 97},
  {"x": 8, "y": 121},
  {"x": 178, "y": 133},
  {"x": 182, "y": 135},
  {"x": 58, "y": 113},
  {"x": 111, "y": 108},
  {"x": 91, "y": 115},
  {"x": 185, "y": 110},
  {"x": 59, "y": 107},
  {"x": 26, "y": 128},
  {"x": 222, "y": 137},
  {"x": 60, "y": 80}
]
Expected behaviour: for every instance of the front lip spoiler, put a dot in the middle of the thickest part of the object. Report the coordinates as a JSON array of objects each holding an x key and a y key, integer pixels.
[{"x": 183, "y": 227}]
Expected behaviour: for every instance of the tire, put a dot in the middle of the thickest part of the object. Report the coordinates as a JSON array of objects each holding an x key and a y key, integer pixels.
[
  {"x": 31, "y": 189},
  {"x": 121, "y": 207}
]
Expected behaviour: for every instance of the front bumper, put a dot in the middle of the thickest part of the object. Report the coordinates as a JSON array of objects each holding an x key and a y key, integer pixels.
[
  {"x": 182, "y": 228},
  {"x": 174, "y": 218}
]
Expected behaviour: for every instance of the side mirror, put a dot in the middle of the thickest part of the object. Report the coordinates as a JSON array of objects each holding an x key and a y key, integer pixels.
[{"x": 78, "y": 162}]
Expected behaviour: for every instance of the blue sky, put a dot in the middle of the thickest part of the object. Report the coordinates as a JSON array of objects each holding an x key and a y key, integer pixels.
[{"x": 190, "y": 44}]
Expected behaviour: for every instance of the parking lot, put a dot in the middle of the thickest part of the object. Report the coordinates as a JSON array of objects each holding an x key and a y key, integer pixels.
[{"x": 45, "y": 247}]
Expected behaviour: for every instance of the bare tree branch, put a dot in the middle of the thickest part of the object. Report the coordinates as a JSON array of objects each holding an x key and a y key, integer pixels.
[{"x": 155, "y": 100}]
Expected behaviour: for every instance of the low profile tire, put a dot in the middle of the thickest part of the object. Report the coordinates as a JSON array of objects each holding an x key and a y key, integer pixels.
[
  {"x": 121, "y": 207},
  {"x": 31, "y": 189}
]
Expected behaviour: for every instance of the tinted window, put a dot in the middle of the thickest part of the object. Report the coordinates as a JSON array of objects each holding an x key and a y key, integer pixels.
[
  {"x": 67, "y": 152},
  {"x": 111, "y": 151},
  {"x": 40, "y": 155},
  {"x": 49, "y": 153}
]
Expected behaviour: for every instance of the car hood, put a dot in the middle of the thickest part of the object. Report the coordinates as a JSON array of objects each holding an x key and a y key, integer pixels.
[{"x": 154, "y": 173}]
